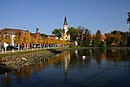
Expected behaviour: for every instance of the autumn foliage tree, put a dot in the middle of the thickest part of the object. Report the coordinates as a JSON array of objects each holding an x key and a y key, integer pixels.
[
  {"x": 117, "y": 38},
  {"x": 0, "y": 38},
  {"x": 27, "y": 38},
  {"x": 21, "y": 39},
  {"x": 17, "y": 38},
  {"x": 7, "y": 39},
  {"x": 34, "y": 40},
  {"x": 109, "y": 39},
  {"x": 40, "y": 39}
]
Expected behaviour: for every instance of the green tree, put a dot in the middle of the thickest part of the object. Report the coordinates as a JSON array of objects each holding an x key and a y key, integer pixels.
[
  {"x": 97, "y": 38},
  {"x": 80, "y": 34},
  {"x": 117, "y": 38},
  {"x": 73, "y": 33},
  {"x": 109, "y": 39},
  {"x": 88, "y": 37},
  {"x": 128, "y": 22},
  {"x": 128, "y": 19},
  {"x": 57, "y": 32},
  {"x": 124, "y": 38},
  {"x": 43, "y": 35},
  {"x": 82, "y": 39}
]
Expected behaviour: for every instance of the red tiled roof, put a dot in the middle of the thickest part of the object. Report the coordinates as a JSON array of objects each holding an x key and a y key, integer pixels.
[{"x": 51, "y": 36}]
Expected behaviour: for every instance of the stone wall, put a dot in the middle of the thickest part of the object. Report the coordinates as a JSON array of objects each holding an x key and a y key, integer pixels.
[{"x": 18, "y": 61}]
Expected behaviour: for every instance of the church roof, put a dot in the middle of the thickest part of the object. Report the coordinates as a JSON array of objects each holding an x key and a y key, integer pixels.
[
  {"x": 10, "y": 30},
  {"x": 65, "y": 21}
]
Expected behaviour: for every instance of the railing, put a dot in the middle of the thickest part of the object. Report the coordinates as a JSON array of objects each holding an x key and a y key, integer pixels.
[{"x": 2, "y": 51}]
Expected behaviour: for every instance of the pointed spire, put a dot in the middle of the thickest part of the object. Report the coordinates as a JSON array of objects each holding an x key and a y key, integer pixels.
[
  {"x": 65, "y": 18},
  {"x": 65, "y": 21}
]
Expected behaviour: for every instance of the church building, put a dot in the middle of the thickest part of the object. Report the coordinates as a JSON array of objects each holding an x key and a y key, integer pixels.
[{"x": 65, "y": 35}]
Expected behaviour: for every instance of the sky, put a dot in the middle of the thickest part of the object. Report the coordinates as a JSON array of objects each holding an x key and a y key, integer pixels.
[{"x": 47, "y": 15}]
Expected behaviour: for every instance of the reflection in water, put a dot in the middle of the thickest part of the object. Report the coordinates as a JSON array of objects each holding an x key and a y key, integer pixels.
[
  {"x": 6, "y": 80},
  {"x": 66, "y": 63},
  {"x": 71, "y": 67}
]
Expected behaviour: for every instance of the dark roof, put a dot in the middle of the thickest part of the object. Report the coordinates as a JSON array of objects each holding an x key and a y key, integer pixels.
[{"x": 10, "y": 29}]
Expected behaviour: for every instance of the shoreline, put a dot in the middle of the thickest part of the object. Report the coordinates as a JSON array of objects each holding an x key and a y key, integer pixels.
[
  {"x": 16, "y": 60},
  {"x": 12, "y": 62},
  {"x": 116, "y": 48}
]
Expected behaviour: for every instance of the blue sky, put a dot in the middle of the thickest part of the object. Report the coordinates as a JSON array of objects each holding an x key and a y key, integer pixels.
[{"x": 106, "y": 15}]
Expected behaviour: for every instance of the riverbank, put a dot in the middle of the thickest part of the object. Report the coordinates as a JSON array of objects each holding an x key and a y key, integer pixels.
[
  {"x": 16, "y": 60},
  {"x": 113, "y": 48}
]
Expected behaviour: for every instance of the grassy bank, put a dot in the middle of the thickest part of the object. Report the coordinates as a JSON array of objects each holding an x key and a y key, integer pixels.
[{"x": 24, "y": 52}]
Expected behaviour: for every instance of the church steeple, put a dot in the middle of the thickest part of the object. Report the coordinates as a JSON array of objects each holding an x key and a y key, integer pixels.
[
  {"x": 65, "y": 35},
  {"x": 65, "y": 21}
]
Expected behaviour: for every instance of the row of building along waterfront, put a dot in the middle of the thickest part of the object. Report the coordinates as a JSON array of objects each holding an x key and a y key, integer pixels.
[{"x": 26, "y": 39}]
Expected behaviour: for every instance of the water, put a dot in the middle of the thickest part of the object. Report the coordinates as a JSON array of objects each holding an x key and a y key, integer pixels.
[{"x": 75, "y": 68}]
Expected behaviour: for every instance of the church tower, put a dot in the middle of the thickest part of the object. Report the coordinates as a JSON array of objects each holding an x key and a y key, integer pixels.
[
  {"x": 65, "y": 26},
  {"x": 65, "y": 35}
]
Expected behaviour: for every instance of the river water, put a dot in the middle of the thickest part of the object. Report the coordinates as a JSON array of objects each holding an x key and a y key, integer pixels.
[{"x": 74, "y": 68}]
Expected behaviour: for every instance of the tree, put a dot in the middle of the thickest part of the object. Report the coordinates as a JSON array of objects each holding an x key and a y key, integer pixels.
[
  {"x": 97, "y": 38},
  {"x": 17, "y": 38},
  {"x": 74, "y": 33},
  {"x": 40, "y": 39},
  {"x": 22, "y": 38},
  {"x": 43, "y": 35},
  {"x": 84, "y": 36},
  {"x": 109, "y": 39},
  {"x": 7, "y": 39},
  {"x": 128, "y": 19},
  {"x": 57, "y": 32},
  {"x": 128, "y": 22},
  {"x": 117, "y": 38},
  {"x": 0, "y": 38},
  {"x": 80, "y": 34},
  {"x": 124, "y": 39},
  {"x": 88, "y": 37},
  {"x": 27, "y": 38},
  {"x": 34, "y": 40}
]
